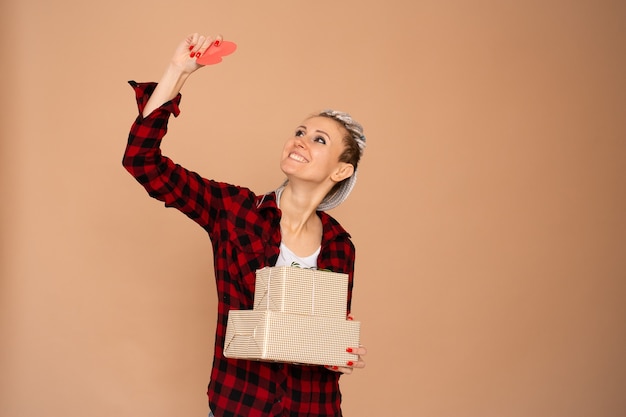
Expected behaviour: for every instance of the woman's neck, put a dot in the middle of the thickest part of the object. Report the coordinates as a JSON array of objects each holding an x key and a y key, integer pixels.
[
  {"x": 300, "y": 226},
  {"x": 298, "y": 208}
]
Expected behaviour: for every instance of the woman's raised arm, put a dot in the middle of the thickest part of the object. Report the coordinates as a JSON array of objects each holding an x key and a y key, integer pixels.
[{"x": 180, "y": 67}]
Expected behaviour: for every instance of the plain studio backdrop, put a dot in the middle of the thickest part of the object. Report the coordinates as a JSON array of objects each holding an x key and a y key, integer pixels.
[{"x": 488, "y": 216}]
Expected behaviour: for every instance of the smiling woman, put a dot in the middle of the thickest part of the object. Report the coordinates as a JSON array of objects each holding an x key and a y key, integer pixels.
[
  {"x": 250, "y": 231},
  {"x": 344, "y": 142}
]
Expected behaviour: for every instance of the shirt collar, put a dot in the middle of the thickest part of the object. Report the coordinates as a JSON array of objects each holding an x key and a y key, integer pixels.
[
  {"x": 331, "y": 227},
  {"x": 266, "y": 201}
]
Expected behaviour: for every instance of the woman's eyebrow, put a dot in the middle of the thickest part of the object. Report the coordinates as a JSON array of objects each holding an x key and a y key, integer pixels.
[{"x": 321, "y": 131}]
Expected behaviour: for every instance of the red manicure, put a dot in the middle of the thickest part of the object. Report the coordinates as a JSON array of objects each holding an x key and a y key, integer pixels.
[
  {"x": 198, "y": 54},
  {"x": 217, "y": 43},
  {"x": 349, "y": 350},
  {"x": 191, "y": 47},
  {"x": 192, "y": 55},
  {"x": 350, "y": 363},
  {"x": 335, "y": 368}
]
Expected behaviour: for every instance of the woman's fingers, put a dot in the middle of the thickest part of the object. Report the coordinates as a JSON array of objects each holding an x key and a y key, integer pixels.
[
  {"x": 204, "y": 43},
  {"x": 361, "y": 350},
  {"x": 342, "y": 369},
  {"x": 351, "y": 365},
  {"x": 198, "y": 45}
]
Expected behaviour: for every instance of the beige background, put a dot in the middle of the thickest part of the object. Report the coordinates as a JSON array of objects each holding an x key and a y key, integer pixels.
[{"x": 488, "y": 217}]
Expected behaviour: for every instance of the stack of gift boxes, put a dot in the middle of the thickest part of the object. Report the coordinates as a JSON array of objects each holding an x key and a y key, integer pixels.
[{"x": 299, "y": 316}]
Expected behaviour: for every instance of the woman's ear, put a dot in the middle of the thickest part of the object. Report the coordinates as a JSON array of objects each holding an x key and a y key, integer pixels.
[{"x": 343, "y": 171}]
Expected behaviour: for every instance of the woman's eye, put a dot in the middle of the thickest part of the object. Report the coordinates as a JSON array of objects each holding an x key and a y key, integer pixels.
[
  {"x": 299, "y": 132},
  {"x": 321, "y": 140}
]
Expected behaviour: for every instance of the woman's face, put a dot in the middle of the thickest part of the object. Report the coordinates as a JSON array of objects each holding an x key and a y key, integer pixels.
[{"x": 313, "y": 152}]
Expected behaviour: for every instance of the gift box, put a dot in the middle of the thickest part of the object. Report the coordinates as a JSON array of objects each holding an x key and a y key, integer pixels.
[
  {"x": 286, "y": 337},
  {"x": 298, "y": 316},
  {"x": 301, "y": 291}
]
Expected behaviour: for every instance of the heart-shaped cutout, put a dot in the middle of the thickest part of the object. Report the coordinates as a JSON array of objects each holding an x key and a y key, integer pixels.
[{"x": 214, "y": 54}]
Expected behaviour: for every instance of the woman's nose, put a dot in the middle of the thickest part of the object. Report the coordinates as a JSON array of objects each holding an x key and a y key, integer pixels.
[{"x": 299, "y": 142}]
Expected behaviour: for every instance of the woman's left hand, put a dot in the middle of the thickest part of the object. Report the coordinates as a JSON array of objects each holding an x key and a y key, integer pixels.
[{"x": 360, "y": 363}]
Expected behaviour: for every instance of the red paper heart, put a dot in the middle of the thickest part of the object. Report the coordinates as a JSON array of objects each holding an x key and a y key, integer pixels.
[{"x": 214, "y": 54}]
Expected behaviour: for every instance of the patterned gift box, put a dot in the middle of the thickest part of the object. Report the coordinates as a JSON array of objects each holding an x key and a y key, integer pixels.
[
  {"x": 285, "y": 337},
  {"x": 301, "y": 291}
]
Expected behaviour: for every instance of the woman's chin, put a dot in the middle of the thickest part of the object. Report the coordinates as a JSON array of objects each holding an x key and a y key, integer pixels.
[{"x": 287, "y": 168}]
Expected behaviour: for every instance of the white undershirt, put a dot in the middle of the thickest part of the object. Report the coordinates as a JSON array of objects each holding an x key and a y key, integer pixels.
[{"x": 287, "y": 258}]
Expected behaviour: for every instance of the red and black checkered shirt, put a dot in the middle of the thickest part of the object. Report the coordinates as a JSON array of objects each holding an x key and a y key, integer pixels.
[{"x": 245, "y": 233}]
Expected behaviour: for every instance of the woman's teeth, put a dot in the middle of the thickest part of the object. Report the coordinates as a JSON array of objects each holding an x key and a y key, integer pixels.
[{"x": 297, "y": 157}]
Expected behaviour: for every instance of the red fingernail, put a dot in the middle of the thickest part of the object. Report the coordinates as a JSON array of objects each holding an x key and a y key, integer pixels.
[
  {"x": 350, "y": 363},
  {"x": 350, "y": 318},
  {"x": 192, "y": 55},
  {"x": 191, "y": 47},
  {"x": 349, "y": 350},
  {"x": 335, "y": 368},
  {"x": 198, "y": 54},
  {"x": 217, "y": 43}
]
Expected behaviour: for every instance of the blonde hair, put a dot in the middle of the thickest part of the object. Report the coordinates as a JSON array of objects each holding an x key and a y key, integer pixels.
[{"x": 355, "y": 145}]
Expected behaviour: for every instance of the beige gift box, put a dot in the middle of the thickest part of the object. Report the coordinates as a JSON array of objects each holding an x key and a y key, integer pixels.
[
  {"x": 285, "y": 337},
  {"x": 301, "y": 291}
]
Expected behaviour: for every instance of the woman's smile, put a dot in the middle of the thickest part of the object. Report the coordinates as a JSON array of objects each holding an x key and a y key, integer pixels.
[{"x": 297, "y": 157}]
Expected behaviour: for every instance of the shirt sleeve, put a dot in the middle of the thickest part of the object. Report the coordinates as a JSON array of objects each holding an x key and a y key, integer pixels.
[{"x": 198, "y": 198}]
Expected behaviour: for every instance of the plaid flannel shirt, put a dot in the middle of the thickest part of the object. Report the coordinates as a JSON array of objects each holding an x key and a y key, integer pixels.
[{"x": 245, "y": 234}]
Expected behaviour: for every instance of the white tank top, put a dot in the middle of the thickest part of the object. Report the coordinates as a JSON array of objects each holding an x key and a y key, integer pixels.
[{"x": 287, "y": 258}]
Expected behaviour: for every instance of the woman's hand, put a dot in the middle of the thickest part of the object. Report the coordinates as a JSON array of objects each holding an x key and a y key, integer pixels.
[
  {"x": 190, "y": 49},
  {"x": 181, "y": 66},
  {"x": 350, "y": 366}
]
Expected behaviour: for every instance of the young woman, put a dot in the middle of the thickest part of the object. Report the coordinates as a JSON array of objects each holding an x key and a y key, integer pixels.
[{"x": 249, "y": 232}]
